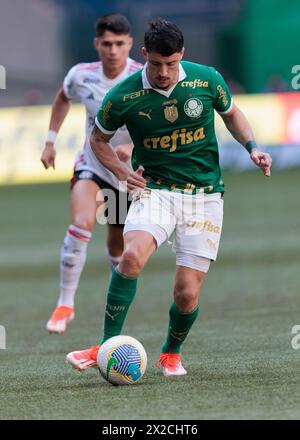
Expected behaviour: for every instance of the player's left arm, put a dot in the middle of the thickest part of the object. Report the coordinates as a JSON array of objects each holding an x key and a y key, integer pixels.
[
  {"x": 238, "y": 125},
  {"x": 236, "y": 122},
  {"x": 107, "y": 122}
]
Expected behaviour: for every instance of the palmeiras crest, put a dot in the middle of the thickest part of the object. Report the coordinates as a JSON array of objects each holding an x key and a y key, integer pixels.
[{"x": 171, "y": 113}]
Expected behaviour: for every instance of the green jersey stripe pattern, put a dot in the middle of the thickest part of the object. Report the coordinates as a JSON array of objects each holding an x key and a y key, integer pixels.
[{"x": 174, "y": 137}]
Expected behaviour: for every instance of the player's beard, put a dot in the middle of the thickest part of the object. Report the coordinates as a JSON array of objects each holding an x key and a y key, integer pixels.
[{"x": 163, "y": 85}]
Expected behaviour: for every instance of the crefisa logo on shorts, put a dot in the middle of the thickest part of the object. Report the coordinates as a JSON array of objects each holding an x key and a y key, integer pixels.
[{"x": 193, "y": 107}]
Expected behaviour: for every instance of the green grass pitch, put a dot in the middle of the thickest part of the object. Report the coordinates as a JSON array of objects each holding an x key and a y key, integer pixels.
[{"x": 239, "y": 357}]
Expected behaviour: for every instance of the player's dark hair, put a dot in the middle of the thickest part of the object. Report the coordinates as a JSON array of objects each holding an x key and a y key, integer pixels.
[
  {"x": 163, "y": 37},
  {"x": 116, "y": 23}
]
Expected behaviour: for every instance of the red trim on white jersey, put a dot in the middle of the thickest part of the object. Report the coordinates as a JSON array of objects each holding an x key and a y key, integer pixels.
[
  {"x": 135, "y": 66},
  {"x": 89, "y": 66}
]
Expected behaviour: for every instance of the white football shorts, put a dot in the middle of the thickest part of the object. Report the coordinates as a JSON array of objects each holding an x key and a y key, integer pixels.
[{"x": 193, "y": 221}]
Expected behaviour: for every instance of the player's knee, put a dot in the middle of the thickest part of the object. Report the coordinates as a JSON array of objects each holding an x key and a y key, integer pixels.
[
  {"x": 83, "y": 222},
  {"x": 186, "y": 298},
  {"x": 131, "y": 263}
]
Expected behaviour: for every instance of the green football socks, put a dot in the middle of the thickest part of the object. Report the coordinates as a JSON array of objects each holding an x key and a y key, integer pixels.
[
  {"x": 179, "y": 327},
  {"x": 121, "y": 293}
]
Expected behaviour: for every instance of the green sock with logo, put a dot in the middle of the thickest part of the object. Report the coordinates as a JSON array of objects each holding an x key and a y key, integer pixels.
[
  {"x": 179, "y": 327},
  {"x": 120, "y": 295}
]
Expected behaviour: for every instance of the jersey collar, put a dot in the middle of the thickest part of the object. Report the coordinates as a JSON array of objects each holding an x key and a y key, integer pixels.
[
  {"x": 166, "y": 93},
  {"x": 111, "y": 82}
]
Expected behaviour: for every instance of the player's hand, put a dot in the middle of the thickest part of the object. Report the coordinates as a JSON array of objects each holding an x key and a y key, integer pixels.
[
  {"x": 263, "y": 161},
  {"x": 135, "y": 180},
  {"x": 124, "y": 151},
  {"x": 48, "y": 155}
]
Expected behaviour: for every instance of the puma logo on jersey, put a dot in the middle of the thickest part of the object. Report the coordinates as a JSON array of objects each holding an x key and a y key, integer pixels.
[{"x": 147, "y": 115}]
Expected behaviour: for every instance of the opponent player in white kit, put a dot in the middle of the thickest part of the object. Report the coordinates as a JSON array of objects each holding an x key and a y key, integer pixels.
[{"x": 88, "y": 83}]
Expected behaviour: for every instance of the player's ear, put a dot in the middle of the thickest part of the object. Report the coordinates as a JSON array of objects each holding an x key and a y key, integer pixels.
[
  {"x": 182, "y": 52},
  {"x": 145, "y": 53},
  {"x": 96, "y": 43},
  {"x": 130, "y": 42}
]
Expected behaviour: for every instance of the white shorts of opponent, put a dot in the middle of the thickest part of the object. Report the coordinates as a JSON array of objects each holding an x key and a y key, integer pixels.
[{"x": 195, "y": 221}]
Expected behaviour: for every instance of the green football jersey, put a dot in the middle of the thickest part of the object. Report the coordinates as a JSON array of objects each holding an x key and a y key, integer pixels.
[{"x": 172, "y": 131}]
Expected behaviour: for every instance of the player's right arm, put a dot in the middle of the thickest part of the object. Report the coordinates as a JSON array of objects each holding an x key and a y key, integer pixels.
[
  {"x": 60, "y": 109},
  {"x": 109, "y": 118},
  {"x": 109, "y": 158}
]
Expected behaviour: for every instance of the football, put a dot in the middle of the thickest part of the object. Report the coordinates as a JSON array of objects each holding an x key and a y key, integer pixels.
[{"x": 122, "y": 360}]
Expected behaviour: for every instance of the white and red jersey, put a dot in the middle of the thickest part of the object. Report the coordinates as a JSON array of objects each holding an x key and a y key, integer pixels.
[{"x": 87, "y": 83}]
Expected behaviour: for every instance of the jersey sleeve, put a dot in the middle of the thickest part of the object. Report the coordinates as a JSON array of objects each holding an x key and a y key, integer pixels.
[
  {"x": 69, "y": 84},
  {"x": 109, "y": 116},
  {"x": 223, "y": 100}
]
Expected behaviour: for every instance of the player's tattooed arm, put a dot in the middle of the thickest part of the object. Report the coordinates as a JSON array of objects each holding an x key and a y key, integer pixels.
[
  {"x": 124, "y": 151},
  {"x": 98, "y": 135},
  {"x": 108, "y": 157}
]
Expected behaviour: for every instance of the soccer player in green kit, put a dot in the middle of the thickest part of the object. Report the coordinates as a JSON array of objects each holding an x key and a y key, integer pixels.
[{"x": 168, "y": 108}]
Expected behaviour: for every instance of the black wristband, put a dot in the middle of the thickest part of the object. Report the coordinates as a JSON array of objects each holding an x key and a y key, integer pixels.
[{"x": 250, "y": 145}]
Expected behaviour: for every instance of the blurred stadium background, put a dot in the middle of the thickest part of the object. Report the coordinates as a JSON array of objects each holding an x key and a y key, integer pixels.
[{"x": 239, "y": 354}]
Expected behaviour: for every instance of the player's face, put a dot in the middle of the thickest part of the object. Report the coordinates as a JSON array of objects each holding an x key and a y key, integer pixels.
[
  {"x": 113, "y": 50},
  {"x": 162, "y": 71}
]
